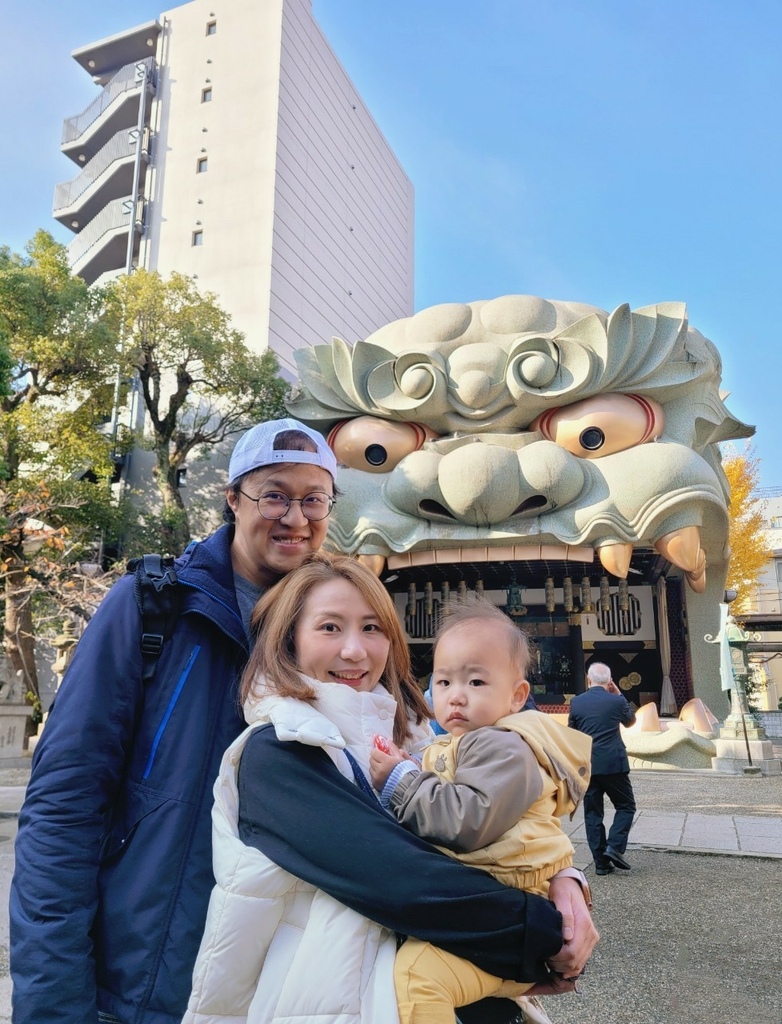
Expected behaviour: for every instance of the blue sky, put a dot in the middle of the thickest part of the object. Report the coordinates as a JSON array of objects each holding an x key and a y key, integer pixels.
[{"x": 603, "y": 152}]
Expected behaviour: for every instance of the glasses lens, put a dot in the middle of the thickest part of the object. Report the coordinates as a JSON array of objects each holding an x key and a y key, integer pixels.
[
  {"x": 316, "y": 505},
  {"x": 274, "y": 505}
]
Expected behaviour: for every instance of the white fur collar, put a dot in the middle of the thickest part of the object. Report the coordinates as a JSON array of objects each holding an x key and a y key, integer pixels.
[{"x": 340, "y": 717}]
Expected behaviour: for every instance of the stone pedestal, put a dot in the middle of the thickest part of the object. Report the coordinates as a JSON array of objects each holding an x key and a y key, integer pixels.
[
  {"x": 13, "y": 718},
  {"x": 743, "y": 747},
  {"x": 732, "y": 747}
]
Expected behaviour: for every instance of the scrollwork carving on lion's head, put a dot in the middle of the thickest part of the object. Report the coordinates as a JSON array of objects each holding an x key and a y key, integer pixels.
[{"x": 520, "y": 420}]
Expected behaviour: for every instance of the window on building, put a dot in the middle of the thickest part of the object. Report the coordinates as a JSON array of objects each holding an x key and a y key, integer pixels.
[
  {"x": 198, "y": 238},
  {"x": 206, "y": 94},
  {"x": 202, "y": 165},
  {"x": 211, "y": 28},
  {"x": 776, "y": 522},
  {"x": 779, "y": 572}
]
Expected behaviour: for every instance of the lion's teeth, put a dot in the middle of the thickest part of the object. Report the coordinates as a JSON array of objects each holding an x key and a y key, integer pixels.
[
  {"x": 616, "y": 558},
  {"x": 681, "y": 547},
  {"x": 375, "y": 563},
  {"x": 697, "y": 578}
]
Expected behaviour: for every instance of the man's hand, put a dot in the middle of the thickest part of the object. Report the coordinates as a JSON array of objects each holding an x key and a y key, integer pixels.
[
  {"x": 383, "y": 758},
  {"x": 579, "y": 933},
  {"x": 611, "y": 687}
]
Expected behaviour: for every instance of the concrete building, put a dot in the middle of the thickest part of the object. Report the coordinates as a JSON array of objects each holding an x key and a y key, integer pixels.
[
  {"x": 765, "y": 614},
  {"x": 228, "y": 143}
]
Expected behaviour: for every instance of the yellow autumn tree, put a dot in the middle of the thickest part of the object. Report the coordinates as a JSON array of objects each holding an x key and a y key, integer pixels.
[{"x": 750, "y": 552}]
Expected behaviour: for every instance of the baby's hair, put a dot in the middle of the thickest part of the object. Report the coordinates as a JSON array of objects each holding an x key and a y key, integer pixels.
[
  {"x": 474, "y": 608},
  {"x": 274, "y": 621}
]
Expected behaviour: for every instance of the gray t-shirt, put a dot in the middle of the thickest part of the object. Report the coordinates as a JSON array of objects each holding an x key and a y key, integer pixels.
[{"x": 247, "y": 595}]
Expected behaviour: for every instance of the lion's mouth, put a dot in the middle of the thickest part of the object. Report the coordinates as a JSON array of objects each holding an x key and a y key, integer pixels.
[
  {"x": 529, "y": 504},
  {"x": 431, "y": 509}
]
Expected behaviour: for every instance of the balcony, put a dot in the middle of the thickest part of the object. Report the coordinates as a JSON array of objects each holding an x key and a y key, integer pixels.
[
  {"x": 102, "y": 245},
  {"x": 102, "y": 58},
  {"x": 115, "y": 109},
  {"x": 109, "y": 175}
]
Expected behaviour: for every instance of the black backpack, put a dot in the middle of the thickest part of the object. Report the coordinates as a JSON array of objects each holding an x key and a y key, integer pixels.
[{"x": 158, "y": 597}]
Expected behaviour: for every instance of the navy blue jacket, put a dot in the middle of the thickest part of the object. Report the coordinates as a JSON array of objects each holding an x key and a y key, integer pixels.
[
  {"x": 113, "y": 857},
  {"x": 599, "y": 714}
]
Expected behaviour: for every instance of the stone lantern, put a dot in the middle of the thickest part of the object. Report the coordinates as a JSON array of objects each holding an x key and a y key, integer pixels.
[
  {"x": 64, "y": 644},
  {"x": 743, "y": 746}
]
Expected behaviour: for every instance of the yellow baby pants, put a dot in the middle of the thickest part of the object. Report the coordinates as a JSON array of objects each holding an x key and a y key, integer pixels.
[{"x": 430, "y": 983}]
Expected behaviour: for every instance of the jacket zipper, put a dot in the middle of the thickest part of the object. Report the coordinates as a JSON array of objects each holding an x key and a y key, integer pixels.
[
  {"x": 186, "y": 671},
  {"x": 170, "y": 710}
]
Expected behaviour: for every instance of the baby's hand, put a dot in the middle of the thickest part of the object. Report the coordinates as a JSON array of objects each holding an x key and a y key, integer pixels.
[{"x": 383, "y": 758}]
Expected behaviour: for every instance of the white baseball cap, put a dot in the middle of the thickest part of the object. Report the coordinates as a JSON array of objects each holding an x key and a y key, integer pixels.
[{"x": 255, "y": 449}]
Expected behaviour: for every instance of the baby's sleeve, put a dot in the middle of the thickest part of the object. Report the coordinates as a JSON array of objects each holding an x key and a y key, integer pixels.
[{"x": 497, "y": 780}]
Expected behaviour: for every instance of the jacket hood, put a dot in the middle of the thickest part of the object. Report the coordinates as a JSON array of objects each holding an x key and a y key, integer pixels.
[
  {"x": 564, "y": 754},
  {"x": 316, "y": 724}
]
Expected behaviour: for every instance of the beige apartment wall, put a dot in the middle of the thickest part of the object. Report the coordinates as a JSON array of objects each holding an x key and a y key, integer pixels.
[
  {"x": 342, "y": 260},
  {"x": 769, "y": 599},
  {"x": 234, "y": 199},
  {"x": 307, "y": 216}
]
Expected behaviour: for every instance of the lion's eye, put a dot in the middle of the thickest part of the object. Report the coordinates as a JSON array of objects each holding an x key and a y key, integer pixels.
[
  {"x": 602, "y": 425},
  {"x": 376, "y": 445}
]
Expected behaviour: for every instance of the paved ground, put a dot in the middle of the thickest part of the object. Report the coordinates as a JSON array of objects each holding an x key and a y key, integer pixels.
[
  {"x": 692, "y": 934},
  {"x": 690, "y": 938},
  {"x": 699, "y": 811}
]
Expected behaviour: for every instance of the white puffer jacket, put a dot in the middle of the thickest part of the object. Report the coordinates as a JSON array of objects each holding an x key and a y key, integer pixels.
[{"x": 276, "y": 950}]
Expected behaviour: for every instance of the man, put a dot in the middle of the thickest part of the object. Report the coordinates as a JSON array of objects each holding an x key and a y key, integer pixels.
[
  {"x": 113, "y": 858},
  {"x": 599, "y": 712}
]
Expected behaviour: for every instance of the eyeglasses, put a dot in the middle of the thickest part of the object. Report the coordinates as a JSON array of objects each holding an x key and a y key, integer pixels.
[{"x": 275, "y": 504}]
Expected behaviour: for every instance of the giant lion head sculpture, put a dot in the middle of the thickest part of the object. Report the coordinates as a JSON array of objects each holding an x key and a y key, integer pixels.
[{"x": 488, "y": 429}]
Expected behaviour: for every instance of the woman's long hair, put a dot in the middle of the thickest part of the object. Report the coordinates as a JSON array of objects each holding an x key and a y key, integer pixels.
[{"x": 274, "y": 654}]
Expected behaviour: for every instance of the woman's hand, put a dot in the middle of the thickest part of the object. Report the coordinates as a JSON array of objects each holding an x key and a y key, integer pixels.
[
  {"x": 383, "y": 758},
  {"x": 578, "y": 931}
]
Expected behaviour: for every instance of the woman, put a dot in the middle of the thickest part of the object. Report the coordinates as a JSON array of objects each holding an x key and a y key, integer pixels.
[{"x": 313, "y": 877}]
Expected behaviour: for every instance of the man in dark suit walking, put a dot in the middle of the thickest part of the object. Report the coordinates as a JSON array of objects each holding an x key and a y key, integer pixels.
[{"x": 599, "y": 712}]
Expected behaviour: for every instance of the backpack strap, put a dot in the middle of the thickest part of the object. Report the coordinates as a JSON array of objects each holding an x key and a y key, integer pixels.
[{"x": 158, "y": 597}]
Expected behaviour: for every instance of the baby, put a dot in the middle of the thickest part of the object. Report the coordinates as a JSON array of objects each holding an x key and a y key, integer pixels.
[{"x": 491, "y": 793}]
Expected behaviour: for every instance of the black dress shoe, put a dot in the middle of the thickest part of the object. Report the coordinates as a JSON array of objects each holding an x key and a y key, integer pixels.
[
  {"x": 604, "y": 869},
  {"x": 618, "y": 859}
]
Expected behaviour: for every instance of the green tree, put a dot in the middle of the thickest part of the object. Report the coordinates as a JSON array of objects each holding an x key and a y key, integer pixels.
[
  {"x": 57, "y": 365},
  {"x": 67, "y": 356},
  {"x": 749, "y": 548},
  {"x": 198, "y": 380}
]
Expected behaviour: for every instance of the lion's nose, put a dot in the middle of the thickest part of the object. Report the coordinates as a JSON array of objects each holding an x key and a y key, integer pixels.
[
  {"x": 481, "y": 483},
  {"x": 475, "y": 388}
]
